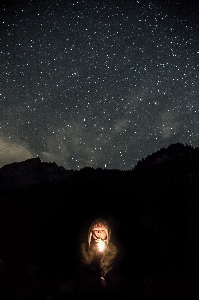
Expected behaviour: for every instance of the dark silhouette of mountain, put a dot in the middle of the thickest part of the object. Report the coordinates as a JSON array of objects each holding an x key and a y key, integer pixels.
[
  {"x": 153, "y": 210},
  {"x": 31, "y": 172}
]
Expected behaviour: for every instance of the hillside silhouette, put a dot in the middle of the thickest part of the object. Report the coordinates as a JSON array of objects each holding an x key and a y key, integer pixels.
[{"x": 153, "y": 210}]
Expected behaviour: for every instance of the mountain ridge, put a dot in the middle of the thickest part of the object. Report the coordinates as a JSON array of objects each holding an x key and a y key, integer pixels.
[{"x": 33, "y": 171}]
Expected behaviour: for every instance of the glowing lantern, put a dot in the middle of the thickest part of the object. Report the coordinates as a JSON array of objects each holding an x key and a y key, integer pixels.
[{"x": 100, "y": 245}]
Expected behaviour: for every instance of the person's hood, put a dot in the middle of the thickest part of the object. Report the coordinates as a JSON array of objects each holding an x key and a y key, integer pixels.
[{"x": 99, "y": 223}]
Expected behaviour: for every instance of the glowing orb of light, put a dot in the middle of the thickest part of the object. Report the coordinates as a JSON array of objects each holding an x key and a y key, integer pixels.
[{"x": 100, "y": 245}]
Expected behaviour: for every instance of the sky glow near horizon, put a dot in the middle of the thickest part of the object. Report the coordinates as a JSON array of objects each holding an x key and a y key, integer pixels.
[{"x": 97, "y": 83}]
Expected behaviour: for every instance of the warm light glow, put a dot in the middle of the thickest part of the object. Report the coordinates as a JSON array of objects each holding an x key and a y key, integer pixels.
[{"x": 100, "y": 245}]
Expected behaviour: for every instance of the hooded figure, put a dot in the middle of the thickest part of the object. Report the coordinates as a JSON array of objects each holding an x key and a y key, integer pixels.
[{"x": 98, "y": 254}]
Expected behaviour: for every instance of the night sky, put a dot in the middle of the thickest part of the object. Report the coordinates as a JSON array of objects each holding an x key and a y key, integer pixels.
[{"x": 97, "y": 83}]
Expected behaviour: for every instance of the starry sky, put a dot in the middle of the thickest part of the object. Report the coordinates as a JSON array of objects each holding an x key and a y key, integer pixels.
[{"x": 97, "y": 83}]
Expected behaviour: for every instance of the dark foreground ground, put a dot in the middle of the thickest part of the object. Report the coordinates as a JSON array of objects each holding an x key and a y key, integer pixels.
[{"x": 44, "y": 287}]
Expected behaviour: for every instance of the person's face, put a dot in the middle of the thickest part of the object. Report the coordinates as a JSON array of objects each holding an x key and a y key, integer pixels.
[{"x": 100, "y": 233}]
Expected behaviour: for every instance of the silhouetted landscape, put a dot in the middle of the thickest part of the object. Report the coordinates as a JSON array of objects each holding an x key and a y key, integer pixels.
[{"x": 153, "y": 210}]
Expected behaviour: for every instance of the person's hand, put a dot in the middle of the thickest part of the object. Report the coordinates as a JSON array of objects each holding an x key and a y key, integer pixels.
[
  {"x": 102, "y": 276},
  {"x": 100, "y": 245}
]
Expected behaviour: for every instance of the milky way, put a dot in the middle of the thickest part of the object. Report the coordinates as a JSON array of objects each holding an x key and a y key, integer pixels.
[{"x": 97, "y": 83}]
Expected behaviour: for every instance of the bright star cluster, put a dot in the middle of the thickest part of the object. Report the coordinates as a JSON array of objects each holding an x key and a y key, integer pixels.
[{"x": 97, "y": 83}]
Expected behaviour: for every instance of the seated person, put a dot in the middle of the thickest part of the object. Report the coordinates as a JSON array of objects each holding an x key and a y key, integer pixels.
[{"x": 99, "y": 253}]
